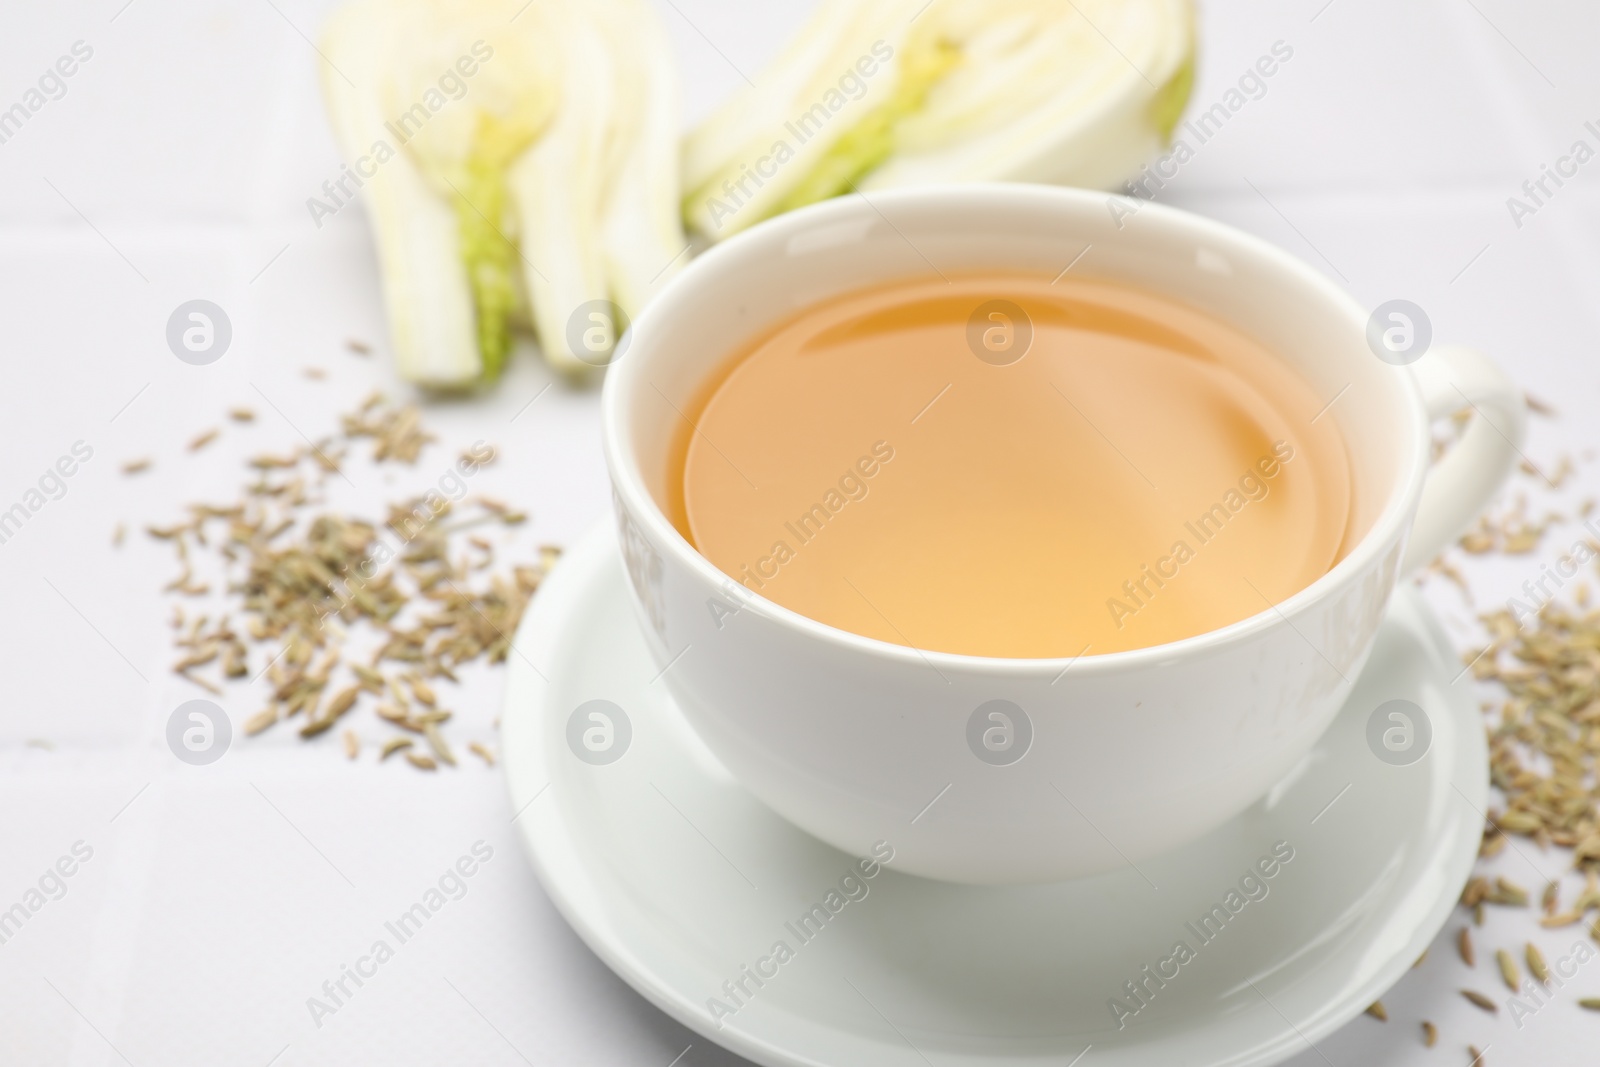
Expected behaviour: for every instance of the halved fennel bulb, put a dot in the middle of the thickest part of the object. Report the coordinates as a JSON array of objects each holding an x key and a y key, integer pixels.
[
  {"x": 518, "y": 161},
  {"x": 908, "y": 92}
]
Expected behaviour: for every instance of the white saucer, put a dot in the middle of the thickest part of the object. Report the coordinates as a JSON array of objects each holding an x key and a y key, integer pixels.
[{"x": 678, "y": 878}]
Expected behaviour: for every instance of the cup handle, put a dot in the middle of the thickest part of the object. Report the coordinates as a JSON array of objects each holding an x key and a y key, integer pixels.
[{"x": 1465, "y": 479}]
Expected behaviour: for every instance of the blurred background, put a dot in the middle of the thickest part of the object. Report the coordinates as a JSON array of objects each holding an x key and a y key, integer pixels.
[{"x": 176, "y": 164}]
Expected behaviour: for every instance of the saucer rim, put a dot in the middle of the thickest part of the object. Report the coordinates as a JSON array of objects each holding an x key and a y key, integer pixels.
[{"x": 561, "y": 869}]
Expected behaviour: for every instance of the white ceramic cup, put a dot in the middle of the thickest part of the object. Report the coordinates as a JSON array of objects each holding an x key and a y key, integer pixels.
[{"x": 1121, "y": 755}]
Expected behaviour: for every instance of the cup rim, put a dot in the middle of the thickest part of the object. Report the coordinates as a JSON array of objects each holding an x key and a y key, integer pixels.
[{"x": 627, "y": 480}]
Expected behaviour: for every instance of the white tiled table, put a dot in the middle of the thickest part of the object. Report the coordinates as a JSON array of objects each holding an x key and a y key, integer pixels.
[{"x": 177, "y": 164}]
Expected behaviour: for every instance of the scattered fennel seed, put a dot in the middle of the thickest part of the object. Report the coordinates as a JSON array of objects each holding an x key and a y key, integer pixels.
[{"x": 304, "y": 584}]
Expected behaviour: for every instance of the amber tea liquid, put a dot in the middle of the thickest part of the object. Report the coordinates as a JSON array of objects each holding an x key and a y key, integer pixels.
[{"x": 884, "y": 463}]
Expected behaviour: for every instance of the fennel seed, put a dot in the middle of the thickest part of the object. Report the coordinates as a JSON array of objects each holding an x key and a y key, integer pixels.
[
  {"x": 1536, "y": 963},
  {"x": 421, "y": 690},
  {"x": 436, "y": 742},
  {"x": 302, "y": 580},
  {"x": 342, "y": 702},
  {"x": 394, "y": 715},
  {"x": 1508, "y": 970},
  {"x": 260, "y": 720}
]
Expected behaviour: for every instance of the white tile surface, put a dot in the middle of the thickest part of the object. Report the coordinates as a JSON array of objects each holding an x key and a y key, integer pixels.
[{"x": 220, "y": 899}]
